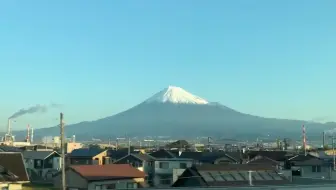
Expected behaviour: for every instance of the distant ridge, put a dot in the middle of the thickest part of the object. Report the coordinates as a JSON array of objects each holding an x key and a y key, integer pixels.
[{"x": 175, "y": 112}]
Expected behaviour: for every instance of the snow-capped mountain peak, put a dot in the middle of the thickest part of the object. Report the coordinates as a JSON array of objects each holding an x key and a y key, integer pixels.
[{"x": 176, "y": 95}]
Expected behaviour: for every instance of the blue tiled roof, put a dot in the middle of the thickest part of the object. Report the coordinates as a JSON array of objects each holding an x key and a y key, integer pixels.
[{"x": 85, "y": 152}]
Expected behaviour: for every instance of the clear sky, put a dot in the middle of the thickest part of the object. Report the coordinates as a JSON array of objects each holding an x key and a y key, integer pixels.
[{"x": 97, "y": 58}]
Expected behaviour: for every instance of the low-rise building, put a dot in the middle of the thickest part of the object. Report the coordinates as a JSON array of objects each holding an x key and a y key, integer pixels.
[
  {"x": 99, "y": 177},
  {"x": 41, "y": 165},
  {"x": 87, "y": 156},
  {"x": 13, "y": 173}
]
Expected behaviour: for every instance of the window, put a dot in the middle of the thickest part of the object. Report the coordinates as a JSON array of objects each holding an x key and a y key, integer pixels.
[
  {"x": 130, "y": 185},
  {"x": 316, "y": 169},
  {"x": 110, "y": 186},
  {"x": 166, "y": 181},
  {"x": 150, "y": 163},
  {"x": 164, "y": 165},
  {"x": 38, "y": 163},
  {"x": 183, "y": 165}
]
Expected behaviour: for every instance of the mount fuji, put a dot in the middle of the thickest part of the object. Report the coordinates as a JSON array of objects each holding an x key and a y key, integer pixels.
[{"x": 175, "y": 112}]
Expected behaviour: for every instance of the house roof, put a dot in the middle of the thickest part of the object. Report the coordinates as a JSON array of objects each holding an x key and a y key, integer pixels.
[
  {"x": 162, "y": 153},
  {"x": 41, "y": 155},
  {"x": 108, "y": 172},
  {"x": 231, "y": 175},
  {"x": 85, "y": 152},
  {"x": 144, "y": 157},
  {"x": 233, "y": 167},
  {"x": 274, "y": 155},
  {"x": 210, "y": 156},
  {"x": 263, "y": 160},
  {"x": 13, "y": 161},
  {"x": 5, "y": 148},
  {"x": 310, "y": 162},
  {"x": 118, "y": 154},
  {"x": 301, "y": 157}
]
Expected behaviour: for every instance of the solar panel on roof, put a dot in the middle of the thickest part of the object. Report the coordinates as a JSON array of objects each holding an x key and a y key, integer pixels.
[
  {"x": 257, "y": 176},
  {"x": 217, "y": 176},
  {"x": 227, "y": 176},
  {"x": 265, "y": 175},
  {"x": 206, "y": 176},
  {"x": 237, "y": 176},
  {"x": 275, "y": 176}
]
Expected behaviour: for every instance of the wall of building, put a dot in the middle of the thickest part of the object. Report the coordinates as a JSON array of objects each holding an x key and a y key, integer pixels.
[
  {"x": 100, "y": 157},
  {"x": 306, "y": 171},
  {"x": 172, "y": 165},
  {"x": 73, "y": 180},
  {"x": 119, "y": 184}
]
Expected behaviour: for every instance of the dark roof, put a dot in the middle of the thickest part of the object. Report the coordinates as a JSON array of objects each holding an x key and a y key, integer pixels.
[
  {"x": 230, "y": 175},
  {"x": 41, "y": 155},
  {"x": 263, "y": 160},
  {"x": 229, "y": 167},
  {"x": 162, "y": 153},
  {"x": 85, "y": 152},
  {"x": 301, "y": 157},
  {"x": 5, "y": 148},
  {"x": 108, "y": 172},
  {"x": 6, "y": 175},
  {"x": 145, "y": 157},
  {"x": 192, "y": 155},
  {"x": 274, "y": 155},
  {"x": 118, "y": 154},
  {"x": 13, "y": 161},
  {"x": 310, "y": 162}
]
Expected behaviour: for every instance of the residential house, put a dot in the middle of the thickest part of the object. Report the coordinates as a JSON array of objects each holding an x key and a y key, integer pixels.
[
  {"x": 162, "y": 153},
  {"x": 41, "y": 164},
  {"x": 143, "y": 162},
  {"x": 12, "y": 171},
  {"x": 308, "y": 166},
  {"x": 70, "y": 146},
  {"x": 167, "y": 169},
  {"x": 87, "y": 156},
  {"x": 212, "y": 157},
  {"x": 5, "y": 148},
  {"x": 114, "y": 155},
  {"x": 99, "y": 177},
  {"x": 265, "y": 160},
  {"x": 279, "y": 156},
  {"x": 230, "y": 175}
]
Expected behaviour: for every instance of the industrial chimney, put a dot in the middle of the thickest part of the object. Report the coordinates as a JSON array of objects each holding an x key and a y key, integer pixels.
[
  {"x": 9, "y": 127},
  {"x": 323, "y": 139},
  {"x": 32, "y": 135}
]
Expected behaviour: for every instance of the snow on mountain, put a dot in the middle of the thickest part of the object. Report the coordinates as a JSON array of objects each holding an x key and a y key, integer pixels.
[{"x": 176, "y": 95}]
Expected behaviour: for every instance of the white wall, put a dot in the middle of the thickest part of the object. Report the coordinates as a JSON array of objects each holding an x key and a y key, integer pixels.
[{"x": 172, "y": 165}]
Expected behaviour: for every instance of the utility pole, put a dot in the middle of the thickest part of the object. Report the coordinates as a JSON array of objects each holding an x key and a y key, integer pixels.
[
  {"x": 129, "y": 146},
  {"x": 333, "y": 150},
  {"x": 63, "y": 152}
]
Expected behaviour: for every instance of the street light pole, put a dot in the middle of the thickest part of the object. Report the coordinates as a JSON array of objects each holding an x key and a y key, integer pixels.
[{"x": 63, "y": 152}]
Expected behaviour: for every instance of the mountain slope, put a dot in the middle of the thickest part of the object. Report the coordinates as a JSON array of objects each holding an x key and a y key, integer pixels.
[{"x": 176, "y": 112}]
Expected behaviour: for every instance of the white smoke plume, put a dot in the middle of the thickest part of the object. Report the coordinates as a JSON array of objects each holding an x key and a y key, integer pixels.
[{"x": 34, "y": 109}]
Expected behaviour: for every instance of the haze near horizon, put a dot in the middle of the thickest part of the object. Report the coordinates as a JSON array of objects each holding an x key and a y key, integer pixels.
[{"x": 271, "y": 59}]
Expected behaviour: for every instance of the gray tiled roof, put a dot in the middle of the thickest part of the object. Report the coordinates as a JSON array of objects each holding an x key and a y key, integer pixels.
[{"x": 37, "y": 154}]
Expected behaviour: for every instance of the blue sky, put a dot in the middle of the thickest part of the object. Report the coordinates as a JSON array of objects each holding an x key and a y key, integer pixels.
[{"x": 97, "y": 58}]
